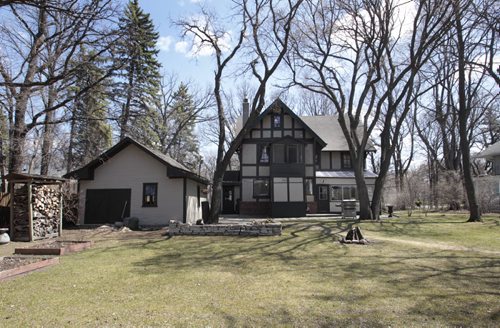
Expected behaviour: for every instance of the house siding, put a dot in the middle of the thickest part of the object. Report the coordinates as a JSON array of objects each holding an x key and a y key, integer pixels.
[
  {"x": 496, "y": 165},
  {"x": 193, "y": 204},
  {"x": 131, "y": 168}
]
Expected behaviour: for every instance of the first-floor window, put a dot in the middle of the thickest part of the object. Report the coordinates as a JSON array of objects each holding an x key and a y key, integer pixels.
[
  {"x": 336, "y": 193},
  {"x": 343, "y": 192},
  {"x": 350, "y": 192},
  {"x": 261, "y": 188},
  {"x": 150, "y": 195}
]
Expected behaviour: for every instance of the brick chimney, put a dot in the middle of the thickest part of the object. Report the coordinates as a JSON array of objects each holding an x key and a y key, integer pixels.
[{"x": 246, "y": 111}]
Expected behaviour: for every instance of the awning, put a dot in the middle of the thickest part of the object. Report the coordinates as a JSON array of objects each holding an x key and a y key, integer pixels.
[{"x": 342, "y": 174}]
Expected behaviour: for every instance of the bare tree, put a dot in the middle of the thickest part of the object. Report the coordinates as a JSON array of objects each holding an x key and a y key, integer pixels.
[
  {"x": 30, "y": 62},
  {"x": 269, "y": 25},
  {"x": 458, "y": 115},
  {"x": 360, "y": 55}
]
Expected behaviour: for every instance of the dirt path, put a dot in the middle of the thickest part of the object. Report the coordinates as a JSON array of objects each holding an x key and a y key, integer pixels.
[{"x": 437, "y": 245}]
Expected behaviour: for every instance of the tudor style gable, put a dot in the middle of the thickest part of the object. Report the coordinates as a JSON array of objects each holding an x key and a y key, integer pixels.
[{"x": 277, "y": 159}]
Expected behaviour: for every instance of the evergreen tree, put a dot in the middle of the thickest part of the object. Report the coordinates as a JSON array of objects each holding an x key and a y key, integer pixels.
[
  {"x": 90, "y": 132},
  {"x": 139, "y": 77},
  {"x": 183, "y": 143}
]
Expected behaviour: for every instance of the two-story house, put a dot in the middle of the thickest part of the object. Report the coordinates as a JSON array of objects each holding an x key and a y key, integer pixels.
[{"x": 290, "y": 166}]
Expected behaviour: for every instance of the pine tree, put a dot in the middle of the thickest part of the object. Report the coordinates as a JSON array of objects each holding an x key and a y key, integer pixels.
[
  {"x": 139, "y": 77},
  {"x": 183, "y": 143},
  {"x": 90, "y": 132}
]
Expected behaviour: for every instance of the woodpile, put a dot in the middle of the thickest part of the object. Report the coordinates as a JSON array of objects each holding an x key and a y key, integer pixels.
[
  {"x": 39, "y": 219},
  {"x": 354, "y": 236},
  {"x": 20, "y": 216},
  {"x": 46, "y": 200}
]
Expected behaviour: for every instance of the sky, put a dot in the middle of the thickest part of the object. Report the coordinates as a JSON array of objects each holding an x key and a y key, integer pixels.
[{"x": 174, "y": 54}]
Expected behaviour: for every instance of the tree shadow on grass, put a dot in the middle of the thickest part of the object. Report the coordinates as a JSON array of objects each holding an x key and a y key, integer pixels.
[{"x": 307, "y": 249}]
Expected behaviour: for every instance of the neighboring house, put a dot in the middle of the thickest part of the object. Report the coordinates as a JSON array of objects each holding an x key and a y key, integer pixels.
[
  {"x": 489, "y": 185},
  {"x": 290, "y": 166},
  {"x": 492, "y": 154},
  {"x": 133, "y": 180}
]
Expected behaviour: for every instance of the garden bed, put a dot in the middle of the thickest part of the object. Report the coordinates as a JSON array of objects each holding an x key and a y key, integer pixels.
[
  {"x": 55, "y": 248},
  {"x": 11, "y": 266}
]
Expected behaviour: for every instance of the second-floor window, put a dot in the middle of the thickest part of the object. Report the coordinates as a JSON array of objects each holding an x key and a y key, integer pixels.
[
  {"x": 288, "y": 154},
  {"x": 346, "y": 161},
  {"x": 264, "y": 153}
]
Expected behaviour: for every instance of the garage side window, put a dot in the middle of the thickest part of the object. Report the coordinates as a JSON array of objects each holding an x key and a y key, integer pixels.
[{"x": 150, "y": 195}]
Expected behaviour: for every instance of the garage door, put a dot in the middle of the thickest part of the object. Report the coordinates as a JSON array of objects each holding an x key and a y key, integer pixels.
[{"x": 106, "y": 205}]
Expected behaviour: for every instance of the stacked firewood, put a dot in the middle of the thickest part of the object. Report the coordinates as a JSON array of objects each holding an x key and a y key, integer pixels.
[
  {"x": 21, "y": 214},
  {"x": 46, "y": 210},
  {"x": 45, "y": 202}
]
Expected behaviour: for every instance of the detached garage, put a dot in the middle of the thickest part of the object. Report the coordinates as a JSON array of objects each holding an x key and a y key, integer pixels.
[{"x": 133, "y": 180}]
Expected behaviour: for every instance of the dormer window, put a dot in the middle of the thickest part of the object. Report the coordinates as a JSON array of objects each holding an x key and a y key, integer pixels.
[{"x": 346, "y": 161}]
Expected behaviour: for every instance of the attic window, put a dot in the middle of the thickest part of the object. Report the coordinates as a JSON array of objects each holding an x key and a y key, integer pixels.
[
  {"x": 276, "y": 121},
  {"x": 150, "y": 195}
]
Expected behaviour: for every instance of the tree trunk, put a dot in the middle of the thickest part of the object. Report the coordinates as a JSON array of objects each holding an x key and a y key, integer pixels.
[
  {"x": 216, "y": 200},
  {"x": 47, "y": 144},
  {"x": 71, "y": 146},
  {"x": 463, "y": 115},
  {"x": 126, "y": 107},
  {"x": 365, "y": 212},
  {"x": 48, "y": 133}
]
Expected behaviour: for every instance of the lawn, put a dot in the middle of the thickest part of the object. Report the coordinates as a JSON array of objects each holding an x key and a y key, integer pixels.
[{"x": 421, "y": 271}]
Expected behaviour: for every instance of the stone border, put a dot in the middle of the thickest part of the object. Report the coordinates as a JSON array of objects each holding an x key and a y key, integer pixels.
[
  {"x": 44, "y": 262},
  {"x": 73, "y": 246},
  {"x": 257, "y": 229}
]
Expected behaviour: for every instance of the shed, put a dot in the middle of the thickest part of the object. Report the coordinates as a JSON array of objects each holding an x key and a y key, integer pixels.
[{"x": 36, "y": 206}]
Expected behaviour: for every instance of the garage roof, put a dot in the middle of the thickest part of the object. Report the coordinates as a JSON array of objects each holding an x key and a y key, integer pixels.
[{"x": 174, "y": 168}]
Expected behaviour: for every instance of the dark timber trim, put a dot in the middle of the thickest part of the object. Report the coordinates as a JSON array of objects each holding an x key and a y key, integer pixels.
[{"x": 184, "y": 202}]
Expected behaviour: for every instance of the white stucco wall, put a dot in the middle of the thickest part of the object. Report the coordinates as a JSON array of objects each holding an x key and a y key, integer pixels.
[
  {"x": 130, "y": 168},
  {"x": 193, "y": 210}
]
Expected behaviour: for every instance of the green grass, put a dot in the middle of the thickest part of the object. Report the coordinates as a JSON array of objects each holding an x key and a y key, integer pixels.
[{"x": 302, "y": 278}]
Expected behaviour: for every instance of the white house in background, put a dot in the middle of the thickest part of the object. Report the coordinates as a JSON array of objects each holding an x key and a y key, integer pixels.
[
  {"x": 492, "y": 154},
  {"x": 488, "y": 186},
  {"x": 133, "y": 180}
]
